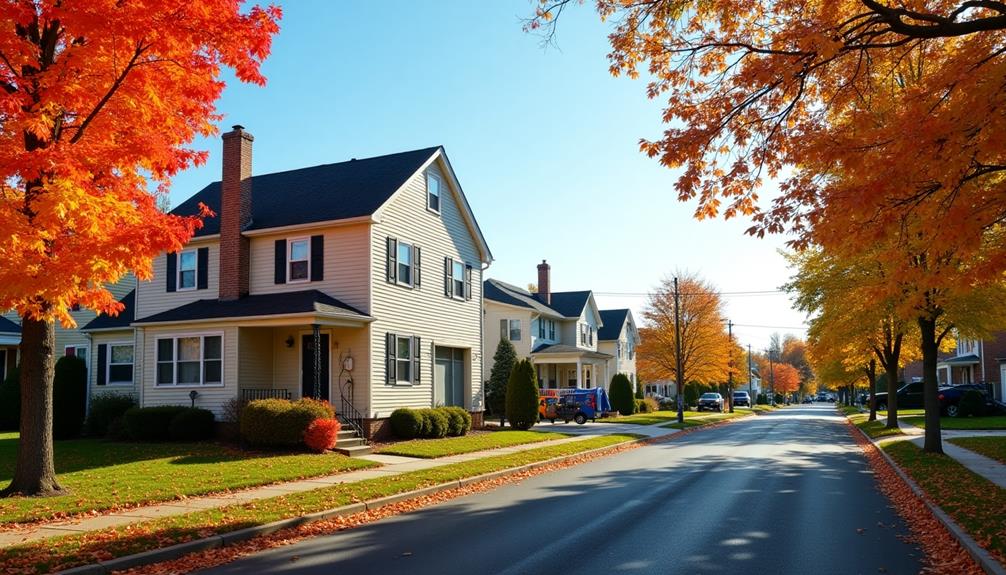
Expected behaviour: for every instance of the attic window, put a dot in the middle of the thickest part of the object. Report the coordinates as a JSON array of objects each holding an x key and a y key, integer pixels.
[{"x": 433, "y": 192}]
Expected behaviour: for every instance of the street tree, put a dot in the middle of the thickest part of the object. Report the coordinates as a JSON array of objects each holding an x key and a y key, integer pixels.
[{"x": 100, "y": 99}]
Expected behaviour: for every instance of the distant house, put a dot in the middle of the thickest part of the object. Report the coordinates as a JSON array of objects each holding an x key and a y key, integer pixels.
[
  {"x": 358, "y": 282},
  {"x": 560, "y": 332},
  {"x": 10, "y": 339},
  {"x": 976, "y": 361}
]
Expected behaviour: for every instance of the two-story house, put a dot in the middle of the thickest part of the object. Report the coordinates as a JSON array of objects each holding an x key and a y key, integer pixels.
[
  {"x": 976, "y": 361},
  {"x": 618, "y": 337},
  {"x": 558, "y": 331},
  {"x": 358, "y": 282}
]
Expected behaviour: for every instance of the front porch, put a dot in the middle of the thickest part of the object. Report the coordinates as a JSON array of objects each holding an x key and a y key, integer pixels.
[
  {"x": 958, "y": 370},
  {"x": 563, "y": 367}
]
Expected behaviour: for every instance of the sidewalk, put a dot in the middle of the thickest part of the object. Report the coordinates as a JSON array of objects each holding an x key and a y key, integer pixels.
[{"x": 390, "y": 465}]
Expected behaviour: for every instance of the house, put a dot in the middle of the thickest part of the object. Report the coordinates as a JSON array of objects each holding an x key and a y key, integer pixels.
[
  {"x": 619, "y": 338},
  {"x": 10, "y": 339},
  {"x": 558, "y": 331},
  {"x": 973, "y": 361},
  {"x": 357, "y": 282}
]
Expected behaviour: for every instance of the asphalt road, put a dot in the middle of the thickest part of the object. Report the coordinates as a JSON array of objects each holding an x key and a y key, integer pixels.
[{"x": 785, "y": 493}]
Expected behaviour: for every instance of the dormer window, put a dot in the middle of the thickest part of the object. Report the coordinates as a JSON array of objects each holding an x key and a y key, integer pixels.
[
  {"x": 433, "y": 193},
  {"x": 299, "y": 260},
  {"x": 187, "y": 262}
]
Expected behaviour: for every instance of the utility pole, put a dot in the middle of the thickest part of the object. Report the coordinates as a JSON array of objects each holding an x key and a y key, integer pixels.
[
  {"x": 750, "y": 374},
  {"x": 677, "y": 354},
  {"x": 730, "y": 366},
  {"x": 771, "y": 373}
]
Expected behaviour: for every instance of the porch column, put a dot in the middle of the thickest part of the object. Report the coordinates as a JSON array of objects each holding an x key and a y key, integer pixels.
[
  {"x": 316, "y": 333},
  {"x": 579, "y": 373}
]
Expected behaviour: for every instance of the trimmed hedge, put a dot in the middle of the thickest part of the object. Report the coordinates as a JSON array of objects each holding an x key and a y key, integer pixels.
[
  {"x": 435, "y": 423},
  {"x": 459, "y": 421},
  {"x": 10, "y": 400},
  {"x": 281, "y": 422},
  {"x": 406, "y": 423},
  {"x": 105, "y": 409},
  {"x": 151, "y": 423},
  {"x": 430, "y": 423},
  {"x": 620, "y": 394},
  {"x": 69, "y": 397},
  {"x": 762, "y": 399},
  {"x": 191, "y": 424},
  {"x": 522, "y": 396}
]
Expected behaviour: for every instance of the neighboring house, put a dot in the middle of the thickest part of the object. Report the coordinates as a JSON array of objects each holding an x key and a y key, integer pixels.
[
  {"x": 619, "y": 338},
  {"x": 113, "y": 342},
  {"x": 557, "y": 331},
  {"x": 358, "y": 282},
  {"x": 10, "y": 339},
  {"x": 973, "y": 361}
]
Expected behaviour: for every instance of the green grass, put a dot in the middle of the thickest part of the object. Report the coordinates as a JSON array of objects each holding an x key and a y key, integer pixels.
[
  {"x": 763, "y": 408},
  {"x": 991, "y": 447},
  {"x": 103, "y": 475},
  {"x": 990, "y": 422},
  {"x": 849, "y": 410},
  {"x": 73, "y": 550},
  {"x": 901, "y": 412},
  {"x": 654, "y": 417},
  {"x": 705, "y": 420},
  {"x": 974, "y": 502},
  {"x": 874, "y": 429},
  {"x": 432, "y": 448}
]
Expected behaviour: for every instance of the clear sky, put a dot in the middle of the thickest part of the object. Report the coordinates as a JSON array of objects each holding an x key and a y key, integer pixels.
[{"x": 544, "y": 142}]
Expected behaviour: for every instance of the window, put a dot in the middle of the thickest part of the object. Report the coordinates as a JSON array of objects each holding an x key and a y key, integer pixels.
[
  {"x": 590, "y": 335},
  {"x": 403, "y": 367},
  {"x": 618, "y": 349},
  {"x": 190, "y": 360},
  {"x": 433, "y": 192},
  {"x": 583, "y": 334},
  {"x": 458, "y": 277},
  {"x": 541, "y": 328},
  {"x": 510, "y": 329},
  {"x": 187, "y": 262},
  {"x": 76, "y": 351},
  {"x": 551, "y": 329},
  {"x": 404, "y": 263},
  {"x": 120, "y": 364},
  {"x": 402, "y": 357},
  {"x": 299, "y": 260}
]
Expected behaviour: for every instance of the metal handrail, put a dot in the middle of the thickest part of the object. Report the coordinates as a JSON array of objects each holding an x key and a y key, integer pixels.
[{"x": 348, "y": 412}]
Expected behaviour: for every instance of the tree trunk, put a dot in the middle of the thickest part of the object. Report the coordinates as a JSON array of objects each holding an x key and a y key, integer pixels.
[
  {"x": 35, "y": 473},
  {"x": 871, "y": 376},
  {"x": 891, "y": 368},
  {"x": 930, "y": 386}
]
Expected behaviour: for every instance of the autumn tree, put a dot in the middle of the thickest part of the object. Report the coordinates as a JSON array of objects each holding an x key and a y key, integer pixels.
[
  {"x": 99, "y": 99},
  {"x": 785, "y": 378},
  {"x": 704, "y": 341}
]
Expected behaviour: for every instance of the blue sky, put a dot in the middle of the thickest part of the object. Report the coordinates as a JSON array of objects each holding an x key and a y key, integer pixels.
[{"x": 544, "y": 142}]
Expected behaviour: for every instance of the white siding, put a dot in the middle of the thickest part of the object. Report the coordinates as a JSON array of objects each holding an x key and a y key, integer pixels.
[
  {"x": 106, "y": 337},
  {"x": 255, "y": 356},
  {"x": 153, "y": 297},
  {"x": 424, "y": 312},
  {"x": 345, "y": 342},
  {"x": 210, "y": 397},
  {"x": 495, "y": 312}
]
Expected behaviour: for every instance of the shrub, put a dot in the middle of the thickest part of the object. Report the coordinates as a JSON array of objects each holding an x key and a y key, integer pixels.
[
  {"x": 762, "y": 399},
  {"x": 10, "y": 400},
  {"x": 650, "y": 404},
  {"x": 779, "y": 398},
  {"x": 151, "y": 423},
  {"x": 972, "y": 403},
  {"x": 116, "y": 429},
  {"x": 232, "y": 410},
  {"x": 495, "y": 389},
  {"x": 668, "y": 404},
  {"x": 435, "y": 423},
  {"x": 641, "y": 406},
  {"x": 406, "y": 423},
  {"x": 321, "y": 434},
  {"x": 640, "y": 389},
  {"x": 106, "y": 408},
  {"x": 281, "y": 422},
  {"x": 192, "y": 424},
  {"x": 459, "y": 421},
  {"x": 620, "y": 394},
  {"x": 522, "y": 396},
  {"x": 69, "y": 397},
  {"x": 691, "y": 395}
]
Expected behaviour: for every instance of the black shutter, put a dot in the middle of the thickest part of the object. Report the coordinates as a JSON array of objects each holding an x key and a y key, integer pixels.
[
  {"x": 468, "y": 282},
  {"x": 203, "y": 268},
  {"x": 317, "y": 258},
  {"x": 389, "y": 358},
  {"x": 416, "y": 266},
  {"x": 448, "y": 285},
  {"x": 280, "y": 272},
  {"x": 172, "y": 271},
  {"x": 102, "y": 360},
  {"x": 392, "y": 260},
  {"x": 416, "y": 364}
]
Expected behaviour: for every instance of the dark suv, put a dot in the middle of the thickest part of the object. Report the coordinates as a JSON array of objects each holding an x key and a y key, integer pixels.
[{"x": 909, "y": 397}]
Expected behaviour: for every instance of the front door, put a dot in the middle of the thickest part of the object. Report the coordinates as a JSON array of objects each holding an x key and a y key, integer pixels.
[
  {"x": 449, "y": 377},
  {"x": 307, "y": 365}
]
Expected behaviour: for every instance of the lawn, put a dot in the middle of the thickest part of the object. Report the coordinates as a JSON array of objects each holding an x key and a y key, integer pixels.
[
  {"x": 991, "y": 447},
  {"x": 874, "y": 429},
  {"x": 705, "y": 420},
  {"x": 73, "y": 550},
  {"x": 103, "y": 475},
  {"x": 432, "y": 448},
  {"x": 653, "y": 417},
  {"x": 974, "y": 502},
  {"x": 990, "y": 422}
]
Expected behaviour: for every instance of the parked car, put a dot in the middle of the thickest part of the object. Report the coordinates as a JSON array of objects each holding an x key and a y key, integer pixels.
[
  {"x": 821, "y": 396},
  {"x": 741, "y": 398},
  {"x": 909, "y": 397},
  {"x": 710, "y": 400},
  {"x": 950, "y": 397},
  {"x": 808, "y": 399}
]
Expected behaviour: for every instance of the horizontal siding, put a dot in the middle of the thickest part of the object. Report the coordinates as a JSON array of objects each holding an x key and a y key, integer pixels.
[
  {"x": 107, "y": 337},
  {"x": 347, "y": 259},
  {"x": 491, "y": 338},
  {"x": 425, "y": 312},
  {"x": 212, "y": 398},
  {"x": 152, "y": 296},
  {"x": 255, "y": 355},
  {"x": 344, "y": 342}
]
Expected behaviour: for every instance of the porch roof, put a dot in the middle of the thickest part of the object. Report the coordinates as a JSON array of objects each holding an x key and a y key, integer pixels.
[
  {"x": 121, "y": 321},
  {"x": 547, "y": 351},
  {"x": 311, "y": 305},
  {"x": 968, "y": 359},
  {"x": 7, "y": 327}
]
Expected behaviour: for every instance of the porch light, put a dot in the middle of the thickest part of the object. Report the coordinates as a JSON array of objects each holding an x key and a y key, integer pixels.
[{"x": 289, "y": 341}]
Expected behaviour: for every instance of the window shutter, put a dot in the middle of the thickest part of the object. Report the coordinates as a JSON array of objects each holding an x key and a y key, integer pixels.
[
  {"x": 172, "y": 271},
  {"x": 392, "y": 260},
  {"x": 416, "y": 360},
  {"x": 416, "y": 265},
  {"x": 279, "y": 275},
  {"x": 203, "y": 268},
  {"x": 102, "y": 361},
  {"x": 317, "y": 258},
  {"x": 504, "y": 329},
  {"x": 389, "y": 356},
  {"x": 468, "y": 282},
  {"x": 448, "y": 285}
]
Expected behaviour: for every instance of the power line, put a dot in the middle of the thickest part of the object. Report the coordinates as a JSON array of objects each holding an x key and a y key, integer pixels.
[
  {"x": 722, "y": 293},
  {"x": 771, "y": 326}
]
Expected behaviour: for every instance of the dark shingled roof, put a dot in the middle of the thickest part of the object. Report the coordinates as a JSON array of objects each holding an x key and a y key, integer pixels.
[
  {"x": 125, "y": 317},
  {"x": 569, "y": 303},
  {"x": 562, "y": 348},
  {"x": 612, "y": 321},
  {"x": 513, "y": 295},
  {"x": 7, "y": 326},
  {"x": 309, "y": 301},
  {"x": 318, "y": 194}
]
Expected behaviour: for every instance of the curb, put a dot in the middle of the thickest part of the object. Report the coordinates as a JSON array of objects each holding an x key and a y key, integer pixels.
[
  {"x": 980, "y": 555},
  {"x": 232, "y": 537}
]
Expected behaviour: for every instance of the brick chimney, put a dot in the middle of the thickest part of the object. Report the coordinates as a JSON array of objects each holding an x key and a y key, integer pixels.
[
  {"x": 544, "y": 282},
  {"x": 235, "y": 213}
]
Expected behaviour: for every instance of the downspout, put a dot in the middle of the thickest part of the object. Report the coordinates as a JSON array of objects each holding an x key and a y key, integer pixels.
[
  {"x": 981, "y": 357},
  {"x": 482, "y": 337}
]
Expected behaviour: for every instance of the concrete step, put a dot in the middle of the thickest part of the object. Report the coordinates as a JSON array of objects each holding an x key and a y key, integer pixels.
[
  {"x": 350, "y": 442},
  {"x": 354, "y": 451},
  {"x": 347, "y": 433}
]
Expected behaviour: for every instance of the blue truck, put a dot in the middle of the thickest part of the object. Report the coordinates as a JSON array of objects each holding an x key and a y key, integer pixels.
[{"x": 579, "y": 405}]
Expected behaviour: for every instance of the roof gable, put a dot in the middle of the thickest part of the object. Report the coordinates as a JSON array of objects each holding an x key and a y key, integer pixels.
[
  {"x": 502, "y": 292},
  {"x": 121, "y": 321},
  {"x": 613, "y": 321}
]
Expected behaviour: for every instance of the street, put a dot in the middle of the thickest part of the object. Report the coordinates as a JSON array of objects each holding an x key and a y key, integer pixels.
[{"x": 783, "y": 493}]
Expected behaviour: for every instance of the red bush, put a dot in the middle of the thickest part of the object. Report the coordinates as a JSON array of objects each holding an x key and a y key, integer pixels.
[{"x": 321, "y": 434}]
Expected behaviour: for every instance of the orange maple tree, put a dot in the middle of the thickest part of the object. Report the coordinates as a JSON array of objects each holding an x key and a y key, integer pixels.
[
  {"x": 783, "y": 377},
  {"x": 99, "y": 100}
]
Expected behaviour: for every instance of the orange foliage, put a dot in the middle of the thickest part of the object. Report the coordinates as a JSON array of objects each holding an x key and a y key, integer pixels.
[
  {"x": 321, "y": 434},
  {"x": 786, "y": 378}
]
